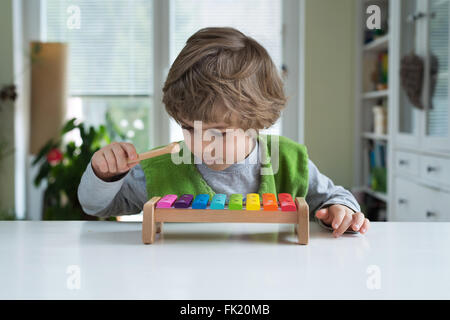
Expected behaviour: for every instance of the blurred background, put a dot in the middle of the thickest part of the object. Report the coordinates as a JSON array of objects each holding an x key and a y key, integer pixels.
[{"x": 368, "y": 82}]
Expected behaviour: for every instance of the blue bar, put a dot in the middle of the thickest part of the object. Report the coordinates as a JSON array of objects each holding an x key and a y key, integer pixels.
[
  {"x": 200, "y": 201},
  {"x": 218, "y": 201}
]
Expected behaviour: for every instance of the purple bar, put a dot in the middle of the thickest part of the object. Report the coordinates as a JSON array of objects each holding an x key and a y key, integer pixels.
[
  {"x": 166, "y": 201},
  {"x": 184, "y": 201}
]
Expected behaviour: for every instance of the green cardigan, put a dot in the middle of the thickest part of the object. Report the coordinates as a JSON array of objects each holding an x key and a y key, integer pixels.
[{"x": 163, "y": 176}]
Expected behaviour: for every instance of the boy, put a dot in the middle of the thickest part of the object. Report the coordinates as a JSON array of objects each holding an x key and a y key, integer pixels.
[{"x": 223, "y": 85}]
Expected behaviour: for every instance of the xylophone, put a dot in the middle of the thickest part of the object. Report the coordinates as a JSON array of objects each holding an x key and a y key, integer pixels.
[{"x": 186, "y": 208}]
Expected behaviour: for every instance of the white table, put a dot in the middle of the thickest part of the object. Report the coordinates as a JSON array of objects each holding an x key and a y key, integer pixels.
[{"x": 221, "y": 261}]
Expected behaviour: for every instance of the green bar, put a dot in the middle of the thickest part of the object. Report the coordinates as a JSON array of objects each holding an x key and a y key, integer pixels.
[{"x": 235, "y": 202}]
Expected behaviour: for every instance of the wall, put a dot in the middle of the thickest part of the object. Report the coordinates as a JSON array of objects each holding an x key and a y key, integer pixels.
[
  {"x": 329, "y": 82},
  {"x": 7, "y": 113}
]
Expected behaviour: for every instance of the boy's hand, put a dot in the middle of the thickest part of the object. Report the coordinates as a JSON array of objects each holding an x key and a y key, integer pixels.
[
  {"x": 341, "y": 218},
  {"x": 112, "y": 160}
]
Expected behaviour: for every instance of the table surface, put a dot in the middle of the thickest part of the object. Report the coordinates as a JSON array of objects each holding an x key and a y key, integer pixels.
[{"x": 107, "y": 260}]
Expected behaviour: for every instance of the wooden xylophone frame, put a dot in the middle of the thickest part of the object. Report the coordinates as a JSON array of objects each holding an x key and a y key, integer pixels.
[{"x": 155, "y": 217}]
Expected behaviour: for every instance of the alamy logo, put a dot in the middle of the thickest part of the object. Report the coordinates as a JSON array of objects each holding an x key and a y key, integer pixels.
[
  {"x": 373, "y": 281},
  {"x": 209, "y": 146},
  {"x": 374, "y": 20},
  {"x": 73, "y": 281},
  {"x": 74, "y": 19}
]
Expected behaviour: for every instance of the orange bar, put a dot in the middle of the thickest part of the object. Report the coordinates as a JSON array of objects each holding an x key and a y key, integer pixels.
[{"x": 269, "y": 202}]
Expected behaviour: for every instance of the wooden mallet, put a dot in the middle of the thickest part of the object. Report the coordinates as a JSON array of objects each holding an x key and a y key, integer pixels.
[{"x": 170, "y": 148}]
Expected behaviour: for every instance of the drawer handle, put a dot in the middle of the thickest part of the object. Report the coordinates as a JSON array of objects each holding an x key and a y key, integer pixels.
[
  {"x": 403, "y": 162},
  {"x": 431, "y": 169},
  {"x": 431, "y": 214},
  {"x": 402, "y": 201}
]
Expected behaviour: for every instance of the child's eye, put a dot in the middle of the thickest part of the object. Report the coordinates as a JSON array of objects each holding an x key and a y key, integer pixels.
[{"x": 187, "y": 128}]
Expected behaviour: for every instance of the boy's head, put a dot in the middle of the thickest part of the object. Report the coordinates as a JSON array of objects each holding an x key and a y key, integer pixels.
[{"x": 223, "y": 77}]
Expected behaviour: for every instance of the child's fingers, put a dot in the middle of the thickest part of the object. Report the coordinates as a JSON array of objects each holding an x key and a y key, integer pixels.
[
  {"x": 345, "y": 224},
  {"x": 358, "y": 220},
  {"x": 110, "y": 160},
  {"x": 130, "y": 150},
  {"x": 121, "y": 157},
  {"x": 365, "y": 226},
  {"x": 131, "y": 165},
  {"x": 99, "y": 162},
  {"x": 322, "y": 214},
  {"x": 338, "y": 214}
]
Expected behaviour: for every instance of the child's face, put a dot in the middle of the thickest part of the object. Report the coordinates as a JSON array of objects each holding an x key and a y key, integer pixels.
[{"x": 218, "y": 144}]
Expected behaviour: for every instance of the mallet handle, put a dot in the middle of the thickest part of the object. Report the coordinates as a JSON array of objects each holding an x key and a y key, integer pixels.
[{"x": 170, "y": 148}]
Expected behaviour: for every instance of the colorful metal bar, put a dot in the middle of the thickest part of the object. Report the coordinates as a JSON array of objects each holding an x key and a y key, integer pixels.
[
  {"x": 252, "y": 202},
  {"x": 166, "y": 201},
  {"x": 200, "y": 201},
  {"x": 269, "y": 202},
  {"x": 235, "y": 202},
  {"x": 286, "y": 202},
  {"x": 218, "y": 201},
  {"x": 184, "y": 201}
]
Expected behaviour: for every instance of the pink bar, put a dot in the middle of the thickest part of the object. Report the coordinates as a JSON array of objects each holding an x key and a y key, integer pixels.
[{"x": 166, "y": 201}]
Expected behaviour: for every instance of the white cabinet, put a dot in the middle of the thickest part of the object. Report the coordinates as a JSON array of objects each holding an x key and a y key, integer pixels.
[
  {"x": 427, "y": 35},
  {"x": 418, "y": 137},
  {"x": 414, "y": 202},
  {"x": 420, "y": 180}
]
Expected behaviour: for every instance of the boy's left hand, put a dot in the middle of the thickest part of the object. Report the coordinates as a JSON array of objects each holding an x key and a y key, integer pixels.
[{"x": 341, "y": 218}]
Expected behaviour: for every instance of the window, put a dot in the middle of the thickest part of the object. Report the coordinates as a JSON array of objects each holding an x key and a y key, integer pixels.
[
  {"x": 111, "y": 52},
  {"x": 110, "y": 62},
  {"x": 437, "y": 116},
  {"x": 260, "y": 19}
]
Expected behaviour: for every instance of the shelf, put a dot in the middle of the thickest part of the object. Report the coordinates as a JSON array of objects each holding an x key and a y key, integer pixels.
[
  {"x": 376, "y": 194},
  {"x": 376, "y": 94},
  {"x": 379, "y": 44},
  {"x": 374, "y": 136}
]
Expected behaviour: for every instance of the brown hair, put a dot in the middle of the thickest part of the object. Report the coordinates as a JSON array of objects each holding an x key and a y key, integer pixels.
[{"x": 222, "y": 65}]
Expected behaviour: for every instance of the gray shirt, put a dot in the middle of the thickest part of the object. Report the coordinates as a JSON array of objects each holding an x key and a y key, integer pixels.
[{"x": 128, "y": 194}]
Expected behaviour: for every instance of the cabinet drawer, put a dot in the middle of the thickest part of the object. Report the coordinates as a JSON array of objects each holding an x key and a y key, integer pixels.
[
  {"x": 407, "y": 163},
  {"x": 437, "y": 206},
  {"x": 418, "y": 203},
  {"x": 435, "y": 169},
  {"x": 406, "y": 201}
]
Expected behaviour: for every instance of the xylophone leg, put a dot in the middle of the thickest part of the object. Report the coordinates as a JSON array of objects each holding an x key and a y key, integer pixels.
[
  {"x": 148, "y": 222},
  {"x": 303, "y": 220},
  {"x": 159, "y": 227}
]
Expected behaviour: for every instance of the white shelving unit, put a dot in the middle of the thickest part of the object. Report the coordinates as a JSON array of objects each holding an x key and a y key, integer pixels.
[
  {"x": 367, "y": 96},
  {"x": 417, "y": 139}
]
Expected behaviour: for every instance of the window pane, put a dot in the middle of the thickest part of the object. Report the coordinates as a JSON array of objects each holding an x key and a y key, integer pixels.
[
  {"x": 125, "y": 118},
  {"x": 437, "y": 117},
  {"x": 110, "y": 62},
  {"x": 260, "y": 19},
  {"x": 110, "y": 44}
]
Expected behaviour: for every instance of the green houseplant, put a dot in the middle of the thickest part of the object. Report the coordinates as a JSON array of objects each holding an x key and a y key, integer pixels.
[{"x": 62, "y": 166}]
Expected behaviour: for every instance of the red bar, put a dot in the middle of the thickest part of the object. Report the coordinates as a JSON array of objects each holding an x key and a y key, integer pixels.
[{"x": 286, "y": 202}]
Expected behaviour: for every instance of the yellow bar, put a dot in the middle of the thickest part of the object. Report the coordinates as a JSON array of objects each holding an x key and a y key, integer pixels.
[{"x": 252, "y": 202}]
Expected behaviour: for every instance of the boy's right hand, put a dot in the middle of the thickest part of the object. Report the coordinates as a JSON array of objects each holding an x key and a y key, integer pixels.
[{"x": 112, "y": 160}]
